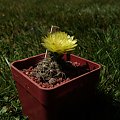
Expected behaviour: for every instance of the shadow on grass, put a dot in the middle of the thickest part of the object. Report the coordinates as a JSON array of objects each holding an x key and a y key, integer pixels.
[{"x": 101, "y": 107}]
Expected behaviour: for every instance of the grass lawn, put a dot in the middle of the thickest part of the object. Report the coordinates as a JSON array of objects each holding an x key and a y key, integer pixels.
[{"x": 96, "y": 25}]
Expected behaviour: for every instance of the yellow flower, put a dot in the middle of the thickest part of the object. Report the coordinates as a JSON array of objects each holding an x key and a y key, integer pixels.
[{"x": 59, "y": 42}]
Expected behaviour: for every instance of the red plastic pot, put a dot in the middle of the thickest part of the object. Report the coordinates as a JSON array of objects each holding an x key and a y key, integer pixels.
[{"x": 48, "y": 103}]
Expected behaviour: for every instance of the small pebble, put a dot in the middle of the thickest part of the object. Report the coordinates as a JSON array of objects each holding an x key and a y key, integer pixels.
[{"x": 52, "y": 81}]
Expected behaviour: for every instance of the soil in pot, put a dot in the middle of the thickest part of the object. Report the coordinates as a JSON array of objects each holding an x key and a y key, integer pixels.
[{"x": 49, "y": 73}]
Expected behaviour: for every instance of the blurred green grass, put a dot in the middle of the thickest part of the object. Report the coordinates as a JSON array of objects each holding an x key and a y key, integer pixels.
[{"x": 96, "y": 25}]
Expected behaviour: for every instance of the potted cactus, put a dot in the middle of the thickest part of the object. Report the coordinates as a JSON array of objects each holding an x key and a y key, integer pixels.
[{"x": 47, "y": 83}]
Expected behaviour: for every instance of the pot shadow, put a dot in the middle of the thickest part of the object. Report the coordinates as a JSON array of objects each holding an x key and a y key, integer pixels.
[{"x": 98, "y": 108}]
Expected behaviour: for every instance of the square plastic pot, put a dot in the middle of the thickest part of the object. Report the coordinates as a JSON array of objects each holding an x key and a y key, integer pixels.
[{"x": 53, "y": 103}]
